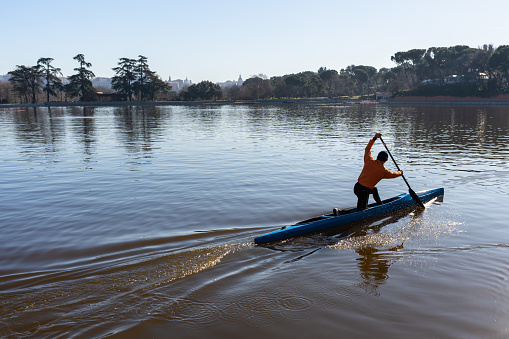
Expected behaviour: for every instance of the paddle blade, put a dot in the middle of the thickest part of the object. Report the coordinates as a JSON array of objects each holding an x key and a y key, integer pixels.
[{"x": 414, "y": 196}]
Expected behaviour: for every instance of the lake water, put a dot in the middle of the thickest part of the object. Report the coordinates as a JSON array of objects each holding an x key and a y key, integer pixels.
[{"x": 129, "y": 222}]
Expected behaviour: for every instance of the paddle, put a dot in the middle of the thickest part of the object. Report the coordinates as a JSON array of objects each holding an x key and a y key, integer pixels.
[{"x": 414, "y": 196}]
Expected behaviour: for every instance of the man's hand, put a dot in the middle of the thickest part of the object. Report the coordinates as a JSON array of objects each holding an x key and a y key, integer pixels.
[{"x": 377, "y": 135}]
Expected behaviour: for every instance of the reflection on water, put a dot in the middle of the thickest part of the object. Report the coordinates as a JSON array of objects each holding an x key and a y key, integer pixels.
[
  {"x": 429, "y": 125},
  {"x": 457, "y": 136},
  {"x": 367, "y": 239},
  {"x": 374, "y": 267},
  {"x": 136, "y": 220}
]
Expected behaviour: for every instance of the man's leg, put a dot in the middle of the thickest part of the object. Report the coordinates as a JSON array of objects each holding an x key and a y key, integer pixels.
[
  {"x": 374, "y": 191},
  {"x": 362, "y": 194}
]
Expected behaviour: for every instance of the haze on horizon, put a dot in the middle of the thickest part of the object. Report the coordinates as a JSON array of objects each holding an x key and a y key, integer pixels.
[{"x": 221, "y": 40}]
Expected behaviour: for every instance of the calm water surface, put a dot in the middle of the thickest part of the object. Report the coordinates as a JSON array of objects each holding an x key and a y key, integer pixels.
[{"x": 139, "y": 222}]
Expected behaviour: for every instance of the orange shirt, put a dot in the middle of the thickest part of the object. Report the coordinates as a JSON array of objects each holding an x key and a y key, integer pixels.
[{"x": 374, "y": 170}]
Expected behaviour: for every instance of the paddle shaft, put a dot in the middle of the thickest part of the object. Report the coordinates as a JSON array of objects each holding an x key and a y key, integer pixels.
[
  {"x": 411, "y": 191},
  {"x": 395, "y": 163}
]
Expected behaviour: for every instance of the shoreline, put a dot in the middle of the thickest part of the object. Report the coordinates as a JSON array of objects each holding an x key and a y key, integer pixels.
[
  {"x": 184, "y": 103},
  {"x": 502, "y": 100},
  {"x": 499, "y": 100}
]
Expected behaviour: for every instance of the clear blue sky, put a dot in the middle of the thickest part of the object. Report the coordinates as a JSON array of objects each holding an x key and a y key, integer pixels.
[{"x": 218, "y": 40}]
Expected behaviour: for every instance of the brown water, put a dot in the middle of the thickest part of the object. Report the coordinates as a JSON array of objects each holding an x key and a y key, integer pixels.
[{"x": 139, "y": 222}]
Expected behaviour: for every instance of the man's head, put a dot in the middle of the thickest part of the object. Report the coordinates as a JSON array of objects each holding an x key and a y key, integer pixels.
[{"x": 382, "y": 156}]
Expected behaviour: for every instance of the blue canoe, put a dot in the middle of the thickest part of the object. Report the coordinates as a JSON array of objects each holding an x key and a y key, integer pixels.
[{"x": 347, "y": 216}]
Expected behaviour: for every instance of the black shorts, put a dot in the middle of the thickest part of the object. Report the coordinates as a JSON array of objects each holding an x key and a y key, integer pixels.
[{"x": 362, "y": 193}]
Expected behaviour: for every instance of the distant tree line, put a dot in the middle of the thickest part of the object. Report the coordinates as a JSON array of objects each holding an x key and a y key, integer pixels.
[
  {"x": 457, "y": 70},
  {"x": 133, "y": 79}
]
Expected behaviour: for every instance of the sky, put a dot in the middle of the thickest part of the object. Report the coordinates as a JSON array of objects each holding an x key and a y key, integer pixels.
[{"x": 222, "y": 39}]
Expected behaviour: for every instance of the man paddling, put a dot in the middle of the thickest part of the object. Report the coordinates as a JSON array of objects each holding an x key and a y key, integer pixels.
[{"x": 372, "y": 172}]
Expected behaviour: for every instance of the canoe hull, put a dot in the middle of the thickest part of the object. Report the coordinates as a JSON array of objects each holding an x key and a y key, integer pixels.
[{"x": 349, "y": 216}]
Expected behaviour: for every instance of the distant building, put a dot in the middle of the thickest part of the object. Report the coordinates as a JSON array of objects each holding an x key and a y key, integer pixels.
[
  {"x": 102, "y": 82},
  {"x": 179, "y": 84},
  {"x": 383, "y": 96},
  {"x": 456, "y": 79},
  {"x": 230, "y": 83},
  {"x": 4, "y": 78}
]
